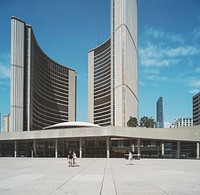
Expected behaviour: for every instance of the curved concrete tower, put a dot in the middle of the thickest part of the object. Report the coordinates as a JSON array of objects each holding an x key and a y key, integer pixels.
[
  {"x": 114, "y": 105},
  {"x": 43, "y": 92}
]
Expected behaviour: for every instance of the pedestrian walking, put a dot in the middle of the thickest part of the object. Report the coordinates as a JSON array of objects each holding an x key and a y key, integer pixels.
[
  {"x": 70, "y": 157},
  {"x": 130, "y": 158},
  {"x": 74, "y": 159}
]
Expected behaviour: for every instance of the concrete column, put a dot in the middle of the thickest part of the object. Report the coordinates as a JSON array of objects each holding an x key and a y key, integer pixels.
[
  {"x": 198, "y": 150},
  {"x": 80, "y": 147},
  {"x": 1, "y": 149},
  {"x": 163, "y": 149},
  {"x": 133, "y": 147},
  {"x": 56, "y": 148},
  {"x": 32, "y": 153},
  {"x": 15, "y": 148},
  {"x": 108, "y": 146},
  {"x": 178, "y": 149},
  {"x": 34, "y": 147},
  {"x": 44, "y": 148},
  {"x": 63, "y": 150},
  {"x": 138, "y": 143}
]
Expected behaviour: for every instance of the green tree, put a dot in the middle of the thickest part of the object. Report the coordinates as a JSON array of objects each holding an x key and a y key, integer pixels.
[
  {"x": 147, "y": 122},
  {"x": 132, "y": 122}
]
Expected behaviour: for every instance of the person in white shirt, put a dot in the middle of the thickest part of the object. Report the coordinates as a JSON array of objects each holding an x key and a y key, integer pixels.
[
  {"x": 130, "y": 158},
  {"x": 74, "y": 159}
]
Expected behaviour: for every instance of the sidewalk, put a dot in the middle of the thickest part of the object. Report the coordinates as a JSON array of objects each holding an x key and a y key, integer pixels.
[{"x": 96, "y": 176}]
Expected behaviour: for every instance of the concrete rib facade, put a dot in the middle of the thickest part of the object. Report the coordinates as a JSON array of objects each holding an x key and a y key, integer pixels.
[
  {"x": 100, "y": 82},
  {"x": 122, "y": 97},
  {"x": 43, "y": 92}
]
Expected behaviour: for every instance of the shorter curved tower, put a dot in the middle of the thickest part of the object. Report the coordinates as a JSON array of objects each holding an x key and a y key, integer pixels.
[{"x": 43, "y": 92}]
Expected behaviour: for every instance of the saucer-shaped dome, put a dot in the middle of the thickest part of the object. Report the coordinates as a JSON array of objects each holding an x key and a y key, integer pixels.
[{"x": 74, "y": 124}]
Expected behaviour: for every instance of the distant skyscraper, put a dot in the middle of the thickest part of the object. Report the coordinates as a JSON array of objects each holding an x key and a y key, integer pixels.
[
  {"x": 159, "y": 113},
  {"x": 196, "y": 109},
  {"x": 43, "y": 92},
  {"x": 113, "y": 70}
]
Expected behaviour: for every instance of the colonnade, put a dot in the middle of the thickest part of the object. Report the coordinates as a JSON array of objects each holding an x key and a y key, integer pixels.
[{"x": 108, "y": 141}]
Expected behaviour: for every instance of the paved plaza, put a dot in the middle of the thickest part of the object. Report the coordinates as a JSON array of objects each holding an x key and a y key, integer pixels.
[{"x": 97, "y": 176}]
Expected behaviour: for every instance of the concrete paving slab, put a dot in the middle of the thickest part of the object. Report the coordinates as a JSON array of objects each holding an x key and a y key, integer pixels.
[{"x": 99, "y": 176}]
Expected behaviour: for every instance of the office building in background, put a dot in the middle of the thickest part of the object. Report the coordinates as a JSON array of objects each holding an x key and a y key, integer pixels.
[
  {"x": 113, "y": 70},
  {"x": 159, "y": 113},
  {"x": 43, "y": 92},
  {"x": 196, "y": 109},
  {"x": 6, "y": 123},
  {"x": 182, "y": 122}
]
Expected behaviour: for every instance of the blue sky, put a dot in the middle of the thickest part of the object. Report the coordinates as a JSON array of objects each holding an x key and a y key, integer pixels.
[{"x": 168, "y": 47}]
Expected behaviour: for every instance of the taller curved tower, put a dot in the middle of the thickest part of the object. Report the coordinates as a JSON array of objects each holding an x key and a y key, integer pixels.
[
  {"x": 43, "y": 92},
  {"x": 114, "y": 105}
]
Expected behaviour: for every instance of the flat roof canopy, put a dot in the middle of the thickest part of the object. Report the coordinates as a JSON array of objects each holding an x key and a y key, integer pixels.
[{"x": 180, "y": 134}]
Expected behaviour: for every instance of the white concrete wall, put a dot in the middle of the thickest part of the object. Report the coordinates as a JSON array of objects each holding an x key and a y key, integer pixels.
[
  {"x": 29, "y": 122},
  {"x": 91, "y": 87},
  {"x": 125, "y": 59},
  {"x": 17, "y": 75},
  {"x": 72, "y": 95}
]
